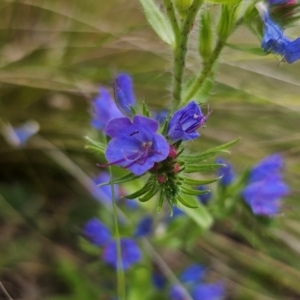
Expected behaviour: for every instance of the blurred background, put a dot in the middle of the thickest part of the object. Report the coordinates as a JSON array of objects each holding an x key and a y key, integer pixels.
[{"x": 54, "y": 56}]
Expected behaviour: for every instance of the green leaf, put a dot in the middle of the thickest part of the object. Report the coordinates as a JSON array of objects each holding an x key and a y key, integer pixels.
[
  {"x": 187, "y": 190},
  {"x": 146, "y": 112},
  {"x": 153, "y": 190},
  {"x": 193, "y": 181},
  {"x": 161, "y": 202},
  {"x": 202, "y": 168},
  {"x": 209, "y": 153},
  {"x": 158, "y": 22},
  {"x": 200, "y": 215},
  {"x": 122, "y": 179},
  {"x": 190, "y": 202},
  {"x": 249, "y": 49},
  {"x": 95, "y": 146},
  {"x": 141, "y": 191}
]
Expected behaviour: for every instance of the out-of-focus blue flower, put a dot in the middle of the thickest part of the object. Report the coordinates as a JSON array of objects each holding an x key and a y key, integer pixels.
[
  {"x": 18, "y": 136},
  {"x": 131, "y": 253},
  {"x": 161, "y": 116},
  {"x": 185, "y": 122},
  {"x": 272, "y": 164},
  {"x": 135, "y": 145},
  {"x": 205, "y": 197},
  {"x": 282, "y": 2},
  {"x": 209, "y": 291},
  {"x": 176, "y": 293},
  {"x": 124, "y": 94},
  {"x": 104, "y": 110},
  {"x": 144, "y": 227},
  {"x": 131, "y": 204},
  {"x": 192, "y": 274},
  {"x": 264, "y": 196},
  {"x": 106, "y": 189},
  {"x": 96, "y": 232},
  {"x": 226, "y": 172},
  {"x": 158, "y": 280}
]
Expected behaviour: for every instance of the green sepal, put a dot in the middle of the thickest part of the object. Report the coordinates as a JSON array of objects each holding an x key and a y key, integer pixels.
[
  {"x": 164, "y": 127},
  {"x": 248, "y": 49},
  {"x": 205, "y": 36},
  {"x": 202, "y": 168},
  {"x": 95, "y": 146},
  {"x": 193, "y": 181},
  {"x": 153, "y": 190},
  {"x": 161, "y": 202},
  {"x": 146, "y": 112},
  {"x": 158, "y": 22},
  {"x": 191, "y": 159},
  {"x": 141, "y": 191},
  {"x": 187, "y": 190},
  {"x": 122, "y": 179},
  {"x": 133, "y": 110},
  {"x": 190, "y": 202}
]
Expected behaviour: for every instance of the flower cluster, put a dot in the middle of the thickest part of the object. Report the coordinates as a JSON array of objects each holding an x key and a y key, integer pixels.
[
  {"x": 99, "y": 235},
  {"x": 266, "y": 187},
  {"x": 145, "y": 145},
  {"x": 274, "y": 40}
]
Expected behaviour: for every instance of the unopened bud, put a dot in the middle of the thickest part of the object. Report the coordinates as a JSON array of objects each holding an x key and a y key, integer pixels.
[
  {"x": 172, "y": 152},
  {"x": 182, "y": 6},
  {"x": 205, "y": 36}
]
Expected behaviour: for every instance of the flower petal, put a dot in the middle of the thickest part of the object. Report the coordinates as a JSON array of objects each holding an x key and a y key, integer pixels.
[{"x": 116, "y": 126}]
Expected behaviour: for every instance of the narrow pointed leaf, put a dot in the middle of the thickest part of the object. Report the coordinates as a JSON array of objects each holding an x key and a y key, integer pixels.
[
  {"x": 146, "y": 112},
  {"x": 190, "y": 202},
  {"x": 95, "y": 146},
  {"x": 202, "y": 168},
  {"x": 122, "y": 179},
  {"x": 187, "y": 190},
  {"x": 150, "y": 193},
  {"x": 141, "y": 191},
  {"x": 193, "y": 181},
  {"x": 158, "y": 22},
  {"x": 160, "y": 202}
]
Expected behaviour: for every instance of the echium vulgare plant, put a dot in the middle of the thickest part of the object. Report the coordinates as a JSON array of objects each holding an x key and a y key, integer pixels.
[{"x": 152, "y": 146}]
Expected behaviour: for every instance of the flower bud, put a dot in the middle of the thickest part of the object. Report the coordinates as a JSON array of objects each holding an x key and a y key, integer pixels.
[
  {"x": 226, "y": 22},
  {"x": 182, "y": 6},
  {"x": 205, "y": 36}
]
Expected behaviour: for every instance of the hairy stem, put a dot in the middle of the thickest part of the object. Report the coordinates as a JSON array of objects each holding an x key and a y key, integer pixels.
[
  {"x": 205, "y": 73},
  {"x": 180, "y": 53},
  {"x": 172, "y": 18}
]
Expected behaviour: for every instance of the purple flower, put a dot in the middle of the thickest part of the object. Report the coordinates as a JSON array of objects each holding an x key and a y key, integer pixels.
[
  {"x": 185, "y": 122},
  {"x": 144, "y": 227},
  {"x": 96, "y": 232},
  {"x": 264, "y": 196},
  {"x": 192, "y": 274},
  {"x": 131, "y": 253},
  {"x": 161, "y": 115},
  {"x": 176, "y": 293},
  {"x": 205, "y": 197},
  {"x": 104, "y": 110},
  {"x": 272, "y": 164},
  {"x": 135, "y": 145},
  {"x": 106, "y": 189},
  {"x": 226, "y": 172},
  {"x": 209, "y": 291},
  {"x": 124, "y": 94}
]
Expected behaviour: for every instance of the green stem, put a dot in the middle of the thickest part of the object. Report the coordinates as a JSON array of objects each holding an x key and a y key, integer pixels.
[
  {"x": 120, "y": 270},
  {"x": 180, "y": 53},
  {"x": 206, "y": 71},
  {"x": 172, "y": 18}
]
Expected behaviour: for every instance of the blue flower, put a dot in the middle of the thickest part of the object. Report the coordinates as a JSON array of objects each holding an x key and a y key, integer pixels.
[
  {"x": 209, "y": 291},
  {"x": 264, "y": 196},
  {"x": 192, "y": 274},
  {"x": 204, "y": 198},
  {"x": 144, "y": 227},
  {"x": 135, "y": 145},
  {"x": 96, "y": 232},
  {"x": 274, "y": 41},
  {"x": 185, "y": 122},
  {"x": 18, "y": 136},
  {"x": 104, "y": 110},
  {"x": 131, "y": 253},
  {"x": 161, "y": 115},
  {"x": 272, "y": 164},
  {"x": 124, "y": 94},
  {"x": 226, "y": 172}
]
